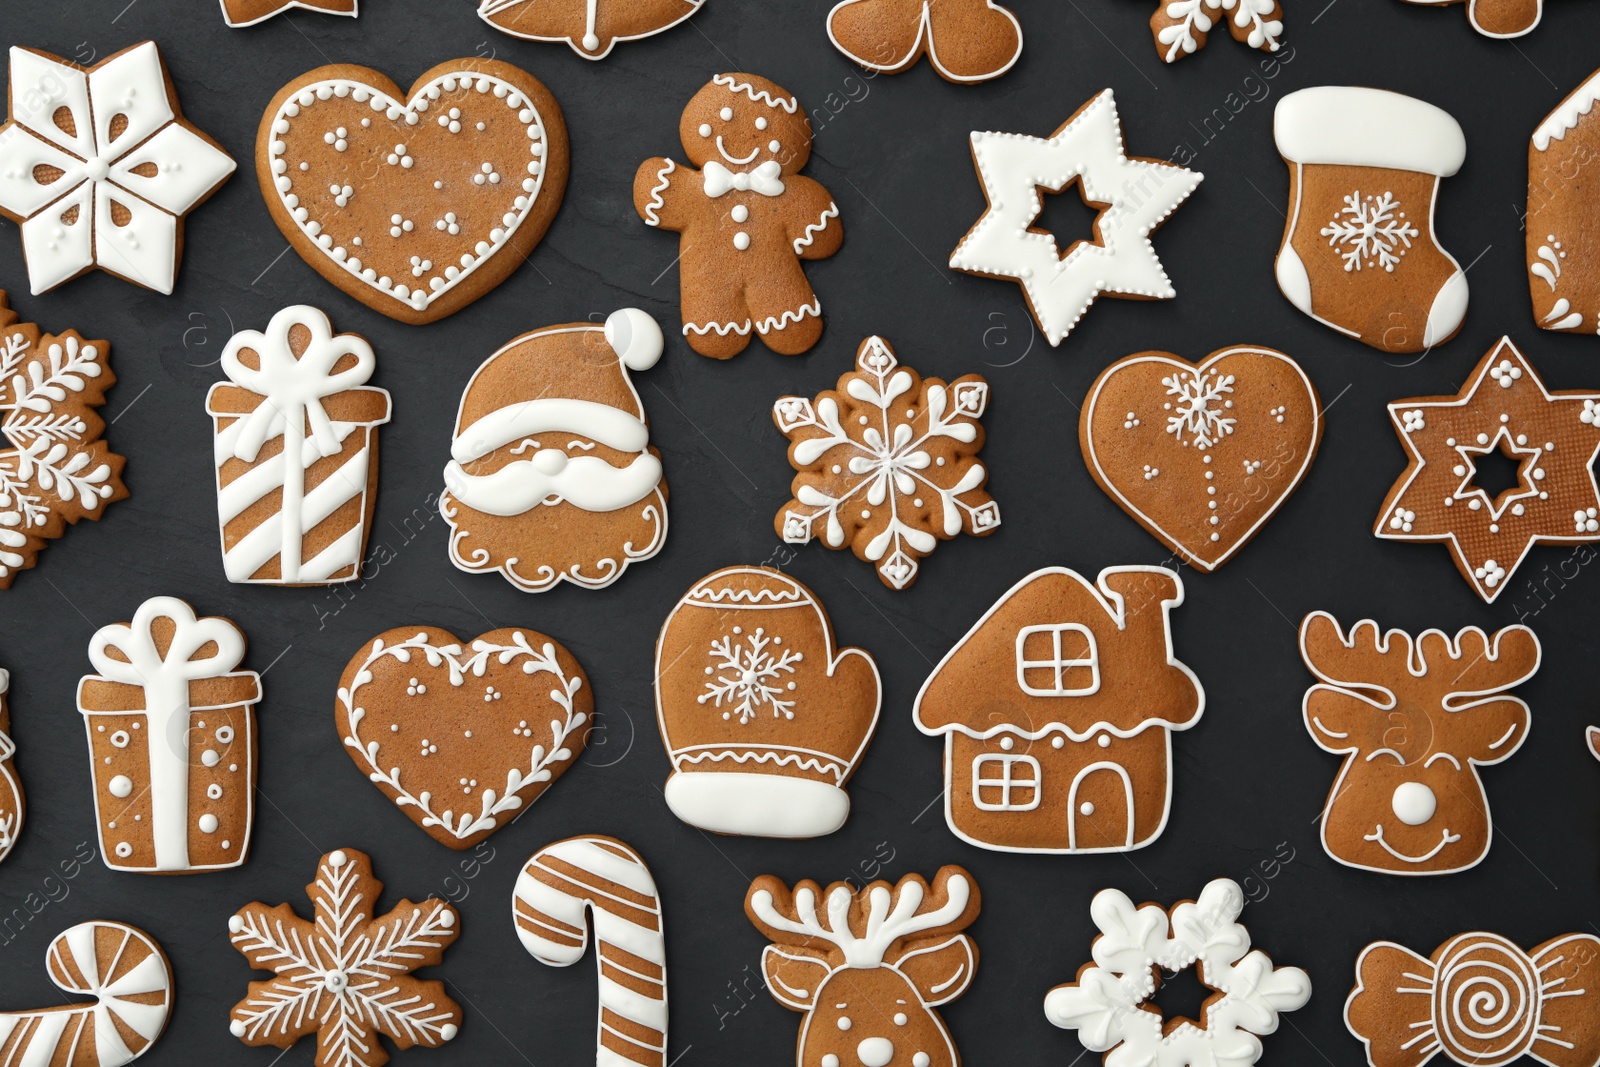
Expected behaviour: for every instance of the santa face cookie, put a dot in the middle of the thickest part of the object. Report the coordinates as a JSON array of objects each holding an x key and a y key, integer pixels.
[
  {"x": 966, "y": 41},
  {"x": 1359, "y": 253},
  {"x": 1497, "y": 18},
  {"x": 165, "y": 807},
  {"x": 747, "y": 217},
  {"x": 296, "y": 451},
  {"x": 591, "y": 27},
  {"x": 763, "y": 719},
  {"x": 239, "y": 13},
  {"x": 101, "y": 167},
  {"x": 414, "y": 204},
  {"x": 13, "y": 805},
  {"x": 1563, "y": 223},
  {"x": 1083, "y": 157},
  {"x": 1202, "y": 455},
  {"x": 1414, "y": 719},
  {"x": 1181, "y": 27},
  {"x": 552, "y": 477},
  {"x": 463, "y": 739}
]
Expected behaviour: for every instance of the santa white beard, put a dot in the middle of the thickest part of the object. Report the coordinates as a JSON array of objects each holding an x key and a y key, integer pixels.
[{"x": 550, "y": 476}]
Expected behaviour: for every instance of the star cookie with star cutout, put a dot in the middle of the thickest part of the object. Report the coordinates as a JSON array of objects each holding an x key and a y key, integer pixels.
[
  {"x": 1133, "y": 195},
  {"x": 1504, "y": 408}
]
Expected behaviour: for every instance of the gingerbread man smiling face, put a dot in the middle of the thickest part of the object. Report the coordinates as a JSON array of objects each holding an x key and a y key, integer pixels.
[{"x": 744, "y": 124}]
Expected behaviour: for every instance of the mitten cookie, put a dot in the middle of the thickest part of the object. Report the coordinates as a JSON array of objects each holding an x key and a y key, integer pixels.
[
  {"x": 747, "y": 218},
  {"x": 13, "y": 805},
  {"x": 591, "y": 27},
  {"x": 1181, "y": 27},
  {"x": 414, "y": 204},
  {"x": 1359, "y": 253},
  {"x": 1497, "y": 18},
  {"x": 552, "y": 476},
  {"x": 965, "y": 40},
  {"x": 763, "y": 718},
  {"x": 1563, "y": 221}
]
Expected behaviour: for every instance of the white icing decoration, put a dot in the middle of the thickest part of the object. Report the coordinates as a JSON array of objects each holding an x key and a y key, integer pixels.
[
  {"x": 1369, "y": 231},
  {"x": 751, "y": 671},
  {"x": 1198, "y": 16},
  {"x": 765, "y": 179},
  {"x": 734, "y": 85},
  {"x": 1355, "y": 127},
  {"x": 120, "y": 786},
  {"x": 1567, "y": 113}
]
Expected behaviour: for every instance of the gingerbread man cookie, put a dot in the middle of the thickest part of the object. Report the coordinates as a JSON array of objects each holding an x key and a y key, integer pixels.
[
  {"x": 965, "y": 40},
  {"x": 747, "y": 218}
]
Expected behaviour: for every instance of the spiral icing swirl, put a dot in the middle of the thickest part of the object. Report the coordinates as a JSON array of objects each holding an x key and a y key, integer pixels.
[{"x": 1486, "y": 999}]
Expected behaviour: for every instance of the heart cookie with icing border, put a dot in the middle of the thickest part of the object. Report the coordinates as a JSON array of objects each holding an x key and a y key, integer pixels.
[
  {"x": 1201, "y": 454},
  {"x": 415, "y": 205}
]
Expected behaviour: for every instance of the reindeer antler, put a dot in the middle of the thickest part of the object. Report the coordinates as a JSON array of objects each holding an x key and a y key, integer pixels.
[
  {"x": 1369, "y": 661},
  {"x": 863, "y": 927}
]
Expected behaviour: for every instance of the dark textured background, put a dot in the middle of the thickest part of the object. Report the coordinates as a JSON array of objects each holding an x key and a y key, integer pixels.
[{"x": 893, "y": 151}]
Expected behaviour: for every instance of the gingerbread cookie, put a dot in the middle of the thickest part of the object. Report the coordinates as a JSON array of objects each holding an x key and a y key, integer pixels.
[
  {"x": 462, "y": 740},
  {"x": 296, "y": 451},
  {"x": 128, "y": 976},
  {"x": 1359, "y": 252},
  {"x": 1023, "y": 775},
  {"x": 552, "y": 476},
  {"x": 1414, "y": 719},
  {"x": 414, "y": 204},
  {"x": 238, "y": 13},
  {"x": 167, "y": 806},
  {"x": 345, "y": 975},
  {"x": 1479, "y": 1000},
  {"x": 13, "y": 804},
  {"x": 869, "y": 966},
  {"x": 1110, "y": 1006},
  {"x": 747, "y": 217},
  {"x": 1202, "y": 455},
  {"x": 887, "y": 463},
  {"x": 1593, "y": 734},
  {"x": 101, "y": 167},
  {"x": 1563, "y": 227},
  {"x": 1505, "y": 408},
  {"x": 965, "y": 40},
  {"x": 592, "y": 27},
  {"x": 1497, "y": 18},
  {"x": 763, "y": 718},
  {"x": 560, "y": 889},
  {"x": 1084, "y": 157},
  {"x": 1180, "y": 27}
]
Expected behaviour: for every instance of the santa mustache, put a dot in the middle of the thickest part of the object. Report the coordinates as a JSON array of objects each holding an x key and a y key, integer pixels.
[{"x": 550, "y": 476}]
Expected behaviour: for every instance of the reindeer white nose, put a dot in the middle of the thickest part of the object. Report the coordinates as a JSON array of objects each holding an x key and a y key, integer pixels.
[
  {"x": 1413, "y": 803},
  {"x": 875, "y": 1051}
]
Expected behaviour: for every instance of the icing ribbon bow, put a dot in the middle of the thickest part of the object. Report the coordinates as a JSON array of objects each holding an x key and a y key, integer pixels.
[
  {"x": 1480, "y": 1000},
  {"x": 131, "y": 653},
  {"x": 765, "y": 179}
]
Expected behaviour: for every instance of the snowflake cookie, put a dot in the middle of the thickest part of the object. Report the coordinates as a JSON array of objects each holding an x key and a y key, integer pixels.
[
  {"x": 100, "y": 167},
  {"x": 1109, "y": 1003},
  {"x": 1180, "y": 26},
  {"x": 346, "y": 976},
  {"x": 54, "y": 468},
  {"x": 887, "y": 463}
]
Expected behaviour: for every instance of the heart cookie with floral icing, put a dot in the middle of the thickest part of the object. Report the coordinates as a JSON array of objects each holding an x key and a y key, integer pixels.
[
  {"x": 1201, "y": 454},
  {"x": 414, "y": 205},
  {"x": 462, "y": 739}
]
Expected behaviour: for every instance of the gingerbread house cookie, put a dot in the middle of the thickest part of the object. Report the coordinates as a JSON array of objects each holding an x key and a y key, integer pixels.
[{"x": 1563, "y": 222}]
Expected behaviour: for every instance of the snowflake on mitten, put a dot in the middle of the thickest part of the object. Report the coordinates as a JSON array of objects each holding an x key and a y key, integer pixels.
[
  {"x": 1180, "y": 26},
  {"x": 345, "y": 977},
  {"x": 887, "y": 463},
  {"x": 747, "y": 218},
  {"x": 54, "y": 468}
]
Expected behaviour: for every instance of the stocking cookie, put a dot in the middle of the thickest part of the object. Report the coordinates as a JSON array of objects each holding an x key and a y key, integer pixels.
[
  {"x": 551, "y": 476},
  {"x": 101, "y": 167},
  {"x": 1359, "y": 253},
  {"x": 1563, "y": 224},
  {"x": 1181, "y": 27},
  {"x": 747, "y": 217},
  {"x": 1414, "y": 719},
  {"x": 1503, "y": 408},
  {"x": 238, "y": 13},
  {"x": 414, "y": 204},
  {"x": 1202, "y": 455},
  {"x": 1084, "y": 157},
  {"x": 965, "y": 40},
  {"x": 868, "y": 966},
  {"x": 592, "y": 27},
  {"x": 13, "y": 804},
  {"x": 1497, "y": 18}
]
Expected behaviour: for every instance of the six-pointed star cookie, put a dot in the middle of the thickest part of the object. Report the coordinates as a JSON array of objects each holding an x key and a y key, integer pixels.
[
  {"x": 1505, "y": 408},
  {"x": 1134, "y": 195}
]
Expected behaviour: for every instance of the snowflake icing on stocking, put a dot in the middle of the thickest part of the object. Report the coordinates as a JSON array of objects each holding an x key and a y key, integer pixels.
[
  {"x": 345, "y": 977},
  {"x": 1201, "y": 401},
  {"x": 1252, "y": 20},
  {"x": 888, "y": 463},
  {"x": 750, "y": 674},
  {"x": 1370, "y": 230}
]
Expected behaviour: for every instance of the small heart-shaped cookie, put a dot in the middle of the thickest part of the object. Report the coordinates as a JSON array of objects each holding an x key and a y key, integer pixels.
[
  {"x": 1201, "y": 454},
  {"x": 462, "y": 741},
  {"x": 415, "y": 206}
]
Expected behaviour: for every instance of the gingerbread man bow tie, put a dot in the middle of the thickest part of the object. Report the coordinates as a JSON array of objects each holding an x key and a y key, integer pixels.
[{"x": 764, "y": 179}]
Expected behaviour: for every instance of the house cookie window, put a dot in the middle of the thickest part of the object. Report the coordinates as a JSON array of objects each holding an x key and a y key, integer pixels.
[
  {"x": 1005, "y": 783},
  {"x": 1057, "y": 660}
]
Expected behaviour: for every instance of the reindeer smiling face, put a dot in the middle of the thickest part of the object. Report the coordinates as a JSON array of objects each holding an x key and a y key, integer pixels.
[
  {"x": 1414, "y": 720},
  {"x": 869, "y": 972}
]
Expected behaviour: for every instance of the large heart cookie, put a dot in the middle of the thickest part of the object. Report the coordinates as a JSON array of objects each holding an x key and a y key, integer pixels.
[
  {"x": 1201, "y": 454},
  {"x": 416, "y": 206},
  {"x": 463, "y": 739}
]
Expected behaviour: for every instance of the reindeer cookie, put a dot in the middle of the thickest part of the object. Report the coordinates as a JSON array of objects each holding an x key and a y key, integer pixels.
[
  {"x": 1414, "y": 718},
  {"x": 747, "y": 218},
  {"x": 868, "y": 966}
]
